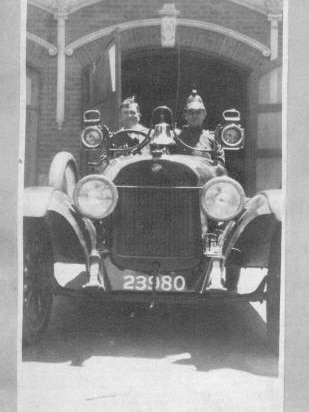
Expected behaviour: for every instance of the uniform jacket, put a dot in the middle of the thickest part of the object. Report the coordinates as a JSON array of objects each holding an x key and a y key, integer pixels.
[{"x": 198, "y": 137}]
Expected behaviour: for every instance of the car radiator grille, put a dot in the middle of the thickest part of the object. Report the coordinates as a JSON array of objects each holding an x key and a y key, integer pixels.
[
  {"x": 157, "y": 218},
  {"x": 157, "y": 222}
]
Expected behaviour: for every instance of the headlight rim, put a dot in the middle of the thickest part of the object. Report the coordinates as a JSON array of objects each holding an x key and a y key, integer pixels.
[
  {"x": 101, "y": 178},
  {"x": 84, "y": 132},
  {"x": 221, "y": 179},
  {"x": 233, "y": 126}
]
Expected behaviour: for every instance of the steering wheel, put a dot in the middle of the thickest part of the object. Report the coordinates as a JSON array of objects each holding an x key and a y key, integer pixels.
[{"x": 131, "y": 143}]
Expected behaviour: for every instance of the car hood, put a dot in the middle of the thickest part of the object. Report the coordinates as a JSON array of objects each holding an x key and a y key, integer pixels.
[{"x": 204, "y": 169}]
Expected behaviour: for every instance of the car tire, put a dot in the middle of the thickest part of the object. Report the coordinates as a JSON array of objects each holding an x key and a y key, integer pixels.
[
  {"x": 273, "y": 293},
  {"x": 63, "y": 173},
  {"x": 37, "y": 282}
]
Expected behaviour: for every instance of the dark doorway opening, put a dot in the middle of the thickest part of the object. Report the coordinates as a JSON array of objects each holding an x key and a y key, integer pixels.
[{"x": 167, "y": 76}]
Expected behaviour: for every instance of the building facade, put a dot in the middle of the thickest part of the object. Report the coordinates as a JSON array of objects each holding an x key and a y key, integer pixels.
[{"x": 90, "y": 53}]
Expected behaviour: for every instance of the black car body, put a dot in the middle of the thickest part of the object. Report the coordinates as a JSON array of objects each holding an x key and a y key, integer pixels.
[{"x": 157, "y": 227}]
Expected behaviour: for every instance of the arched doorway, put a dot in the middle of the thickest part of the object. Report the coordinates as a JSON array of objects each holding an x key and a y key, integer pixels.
[
  {"x": 167, "y": 76},
  {"x": 227, "y": 71},
  {"x": 159, "y": 76}
]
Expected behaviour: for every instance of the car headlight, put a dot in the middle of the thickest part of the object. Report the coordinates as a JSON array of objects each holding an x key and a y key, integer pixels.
[
  {"x": 92, "y": 137},
  {"x": 222, "y": 198},
  {"x": 95, "y": 196},
  {"x": 232, "y": 135}
]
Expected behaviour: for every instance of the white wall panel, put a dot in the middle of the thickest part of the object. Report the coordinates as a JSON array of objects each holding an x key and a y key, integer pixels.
[
  {"x": 268, "y": 173},
  {"x": 269, "y": 130}
]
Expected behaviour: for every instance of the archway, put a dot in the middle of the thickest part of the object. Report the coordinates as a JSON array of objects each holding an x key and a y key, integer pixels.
[
  {"x": 162, "y": 76},
  {"x": 225, "y": 68},
  {"x": 159, "y": 76}
]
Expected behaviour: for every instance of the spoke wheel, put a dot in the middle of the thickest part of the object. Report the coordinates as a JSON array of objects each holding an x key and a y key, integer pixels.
[
  {"x": 273, "y": 293},
  {"x": 37, "y": 283}
]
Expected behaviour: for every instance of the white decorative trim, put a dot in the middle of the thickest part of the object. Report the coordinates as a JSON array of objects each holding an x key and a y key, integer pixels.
[
  {"x": 40, "y": 6},
  {"x": 227, "y": 32},
  {"x": 168, "y": 31},
  {"x": 157, "y": 22},
  {"x": 85, "y": 3},
  {"x": 52, "y": 50},
  {"x": 60, "y": 16},
  {"x": 274, "y": 34},
  {"x": 60, "y": 10},
  {"x": 245, "y": 3},
  {"x": 274, "y": 6},
  {"x": 168, "y": 15},
  {"x": 169, "y": 9},
  {"x": 69, "y": 50},
  {"x": 249, "y": 5},
  {"x": 54, "y": 5},
  {"x": 72, "y": 9}
]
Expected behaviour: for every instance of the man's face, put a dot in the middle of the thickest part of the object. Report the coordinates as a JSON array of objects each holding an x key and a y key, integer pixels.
[
  {"x": 129, "y": 116},
  {"x": 195, "y": 117}
]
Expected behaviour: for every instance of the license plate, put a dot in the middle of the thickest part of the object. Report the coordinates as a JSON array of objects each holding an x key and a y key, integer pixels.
[{"x": 164, "y": 283}]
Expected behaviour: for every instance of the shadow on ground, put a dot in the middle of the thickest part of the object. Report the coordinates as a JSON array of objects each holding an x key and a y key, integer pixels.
[{"x": 209, "y": 337}]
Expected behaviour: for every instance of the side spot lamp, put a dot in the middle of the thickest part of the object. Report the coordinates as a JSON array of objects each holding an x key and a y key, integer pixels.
[{"x": 230, "y": 133}]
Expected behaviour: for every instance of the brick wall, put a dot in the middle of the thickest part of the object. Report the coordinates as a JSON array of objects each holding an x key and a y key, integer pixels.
[
  {"x": 41, "y": 23},
  {"x": 110, "y": 12}
]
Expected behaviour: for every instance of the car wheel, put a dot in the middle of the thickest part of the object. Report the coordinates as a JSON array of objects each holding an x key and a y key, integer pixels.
[
  {"x": 37, "y": 282},
  {"x": 273, "y": 293}
]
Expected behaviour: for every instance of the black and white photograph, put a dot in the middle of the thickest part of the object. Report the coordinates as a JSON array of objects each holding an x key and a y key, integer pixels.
[
  {"x": 154, "y": 163},
  {"x": 152, "y": 206}
]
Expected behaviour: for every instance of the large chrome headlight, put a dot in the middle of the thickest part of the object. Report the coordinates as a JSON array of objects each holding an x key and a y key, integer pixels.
[
  {"x": 222, "y": 198},
  {"x": 92, "y": 137},
  {"x": 95, "y": 196}
]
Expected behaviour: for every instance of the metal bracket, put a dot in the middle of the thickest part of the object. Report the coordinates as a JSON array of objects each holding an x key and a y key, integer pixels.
[
  {"x": 213, "y": 279},
  {"x": 96, "y": 275}
]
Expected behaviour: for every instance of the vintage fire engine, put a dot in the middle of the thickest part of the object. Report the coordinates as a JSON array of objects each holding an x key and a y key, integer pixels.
[{"x": 155, "y": 227}]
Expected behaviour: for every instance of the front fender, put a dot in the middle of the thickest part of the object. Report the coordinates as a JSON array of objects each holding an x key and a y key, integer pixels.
[
  {"x": 70, "y": 236},
  {"x": 274, "y": 199},
  {"x": 36, "y": 200},
  {"x": 253, "y": 231}
]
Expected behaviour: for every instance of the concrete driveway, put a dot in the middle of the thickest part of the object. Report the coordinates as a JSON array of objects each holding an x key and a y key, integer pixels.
[{"x": 107, "y": 358}]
